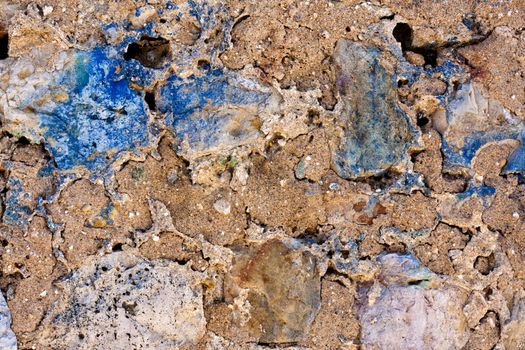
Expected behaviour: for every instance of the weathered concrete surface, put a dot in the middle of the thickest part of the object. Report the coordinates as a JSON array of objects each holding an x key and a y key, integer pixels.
[
  {"x": 278, "y": 174},
  {"x": 120, "y": 301}
]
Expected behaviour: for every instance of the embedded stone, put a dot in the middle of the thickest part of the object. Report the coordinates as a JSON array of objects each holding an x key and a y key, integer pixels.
[
  {"x": 7, "y": 337},
  {"x": 375, "y": 132},
  {"x": 408, "y": 309},
  {"x": 283, "y": 285},
  {"x": 120, "y": 301}
]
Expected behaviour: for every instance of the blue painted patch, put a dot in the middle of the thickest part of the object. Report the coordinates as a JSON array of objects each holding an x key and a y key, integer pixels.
[
  {"x": 201, "y": 109},
  {"x": 171, "y": 6},
  {"x": 472, "y": 143},
  {"x": 15, "y": 213},
  {"x": 102, "y": 116},
  {"x": 516, "y": 161},
  {"x": 482, "y": 192},
  {"x": 406, "y": 183},
  {"x": 200, "y": 10},
  {"x": 413, "y": 73},
  {"x": 183, "y": 98},
  {"x": 463, "y": 138}
]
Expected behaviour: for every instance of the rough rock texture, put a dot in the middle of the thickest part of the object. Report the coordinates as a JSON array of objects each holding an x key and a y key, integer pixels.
[
  {"x": 405, "y": 311},
  {"x": 250, "y": 174},
  {"x": 122, "y": 302},
  {"x": 7, "y": 337},
  {"x": 376, "y": 131},
  {"x": 281, "y": 287}
]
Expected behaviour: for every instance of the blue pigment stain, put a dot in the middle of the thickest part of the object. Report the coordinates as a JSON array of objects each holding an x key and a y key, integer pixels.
[
  {"x": 94, "y": 110},
  {"x": 15, "y": 213},
  {"x": 481, "y": 191},
  {"x": 409, "y": 181},
  {"x": 516, "y": 161},
  {"x": 472, "y": 143},
  {"x": 171, "y": 6},
  {"x": 461, "y": 152},
  {"x": 412, "y": 73},
  {"x": 203, "y": 109},
  {"x": 183, "y": 98},
  {"x": 377, "y": 132},
  {"x": 102, "y": 116}
]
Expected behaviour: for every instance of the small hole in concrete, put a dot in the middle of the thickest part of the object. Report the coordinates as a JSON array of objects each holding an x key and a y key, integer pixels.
[
  {"x": 117, "y": 247},
  {"x": 313, "y": 117},
  {"x": 402, "y": 82},
  {"x": 203, "y": 64},
  {"x": 422, "y": 120},
  {"x": 485, "y": 264},
  {"x": 4, "y": 44},
  {"x": 23, "y": 141},
  {"x": 149, "y": 97},
  {"x": 150, "y": 52},
  {"x": 403, "y": 34}
]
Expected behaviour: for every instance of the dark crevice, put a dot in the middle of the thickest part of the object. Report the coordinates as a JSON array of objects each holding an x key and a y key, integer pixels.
[
  {"x": 314, "y": 118},
  {"x": 389, "y": 18},
  {"x": 203, "y": 65},
  {"x": 422, "y": 120},
  {"x": 404, "y": 34},
  {"x": 23, "y": 141},
  {"x": 335, "y": 276},
  {"x": 149, "y": 97},
  {"x": 383, "y": 180},
  {"x": 418, "y": 282},
  {"x": 117, "y": 247},
  {"x": 274, "y": 345},
  {"x": 429, "y": 53},
  {"x": 4, "y": 44},
  {"x": 470, "y": 21},
  {"x": 238, "y": 21},
  {"x": 402, "y": 82},
  {"x": 150, "y": 52},
  {"x": 485, "y": 264}
]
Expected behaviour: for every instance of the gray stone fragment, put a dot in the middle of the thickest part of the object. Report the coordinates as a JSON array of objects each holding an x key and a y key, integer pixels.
[
  {"x": 222, "y": 206},
  {"x": 409, "y": 309},
  {"x": 120, "y": 301},
  {"x": 375, "y": 132},
  {"x": 7, "y": 336}
]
